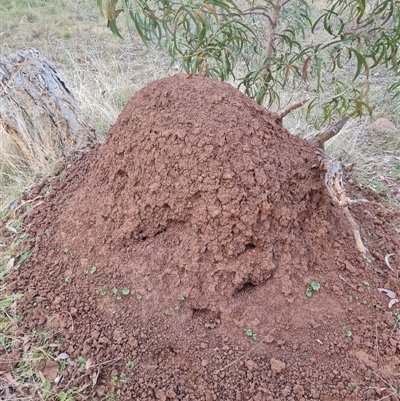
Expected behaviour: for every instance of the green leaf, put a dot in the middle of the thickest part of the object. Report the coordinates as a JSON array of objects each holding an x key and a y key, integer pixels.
[
  {"x": 93, "y": 270},
  {"x": 112, "y": 24},
  {"x": 315, "y": 286},
  {"x": 361, "y": 61},
  {"x": 24, "y": 257},
  {"x": 125, "y": 291},
  {"x": 46, "y": 389}
]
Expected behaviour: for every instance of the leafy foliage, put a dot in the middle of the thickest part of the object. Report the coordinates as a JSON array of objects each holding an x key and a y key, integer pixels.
[{"x": 268, "y": 46}]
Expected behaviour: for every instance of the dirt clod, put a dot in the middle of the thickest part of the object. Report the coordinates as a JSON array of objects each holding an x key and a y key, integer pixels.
[{"x": 206, "y": 222}]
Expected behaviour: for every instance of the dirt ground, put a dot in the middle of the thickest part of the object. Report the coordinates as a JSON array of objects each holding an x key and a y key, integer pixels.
[{"x": 217, "y": 221}]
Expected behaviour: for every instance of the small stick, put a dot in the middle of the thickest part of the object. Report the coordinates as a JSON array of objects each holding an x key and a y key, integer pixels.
[
  {"x": 292, "y": 107},
  {"x": 25, "y": 202},
  {"x": 377, "y": 346},
  {"x": 388, "y": 384},
  {"x": 387, "y": 396},
  {"x": 347, "y": 282},
  {"x": 247, "y": 353}
]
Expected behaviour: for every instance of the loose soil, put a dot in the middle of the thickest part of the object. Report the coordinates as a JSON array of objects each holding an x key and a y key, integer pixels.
[{"x": 217, "y": 220}]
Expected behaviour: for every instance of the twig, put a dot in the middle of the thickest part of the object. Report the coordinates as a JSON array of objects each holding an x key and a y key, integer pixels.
[
  {"x": 106, "y": 362},
  {"x": 389, "y": 395},
  {"x": 292, "y": 107},
  {"x": 73, "y": 380},
  {"x": 377, "y": 346},
  {"x": 388, "y": 384},
  {"x": 25, "y": 202},
  {"x": 351, "y": 285},
  {"x": 247, "y": 353}
]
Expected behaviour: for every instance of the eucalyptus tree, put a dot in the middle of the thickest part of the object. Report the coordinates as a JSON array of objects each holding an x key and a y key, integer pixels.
[{"x": 324, "y": 49}]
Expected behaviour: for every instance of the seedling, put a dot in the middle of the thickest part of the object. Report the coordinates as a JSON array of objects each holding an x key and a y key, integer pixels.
[
  {"x": 139, "y": 297},
  {"x": 348, "y": 334},
  {"x": 93, "y": 270},
  {"x": 366, "y": 283},
  {"x": 352, "y": 386},
  {"x": 122, "y": 378},
  {"x": 114, "y": 293},
  {"x": 167, "y": 312},
  {"x": 396, "y": 315},
  {"x": 314, "y": 286},
  {"x": 130, "y": 364},
  {"x": 46, "y": 389},
  {"x": 103, "y": 292},
  {"x": 126, "y": 291},
  {"x": 251, "y": 334},
  {"x": 181, "y": 297},
  {"x": 81, "y": 363},
  {"x": 69, "y": 395}
]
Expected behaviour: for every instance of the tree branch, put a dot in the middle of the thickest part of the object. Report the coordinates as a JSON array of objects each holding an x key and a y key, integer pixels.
[
  {"x": 291, "y": 108},
  {"x": 329, "y": 133}
]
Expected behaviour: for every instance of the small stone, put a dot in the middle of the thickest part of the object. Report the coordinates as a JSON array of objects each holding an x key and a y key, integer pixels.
[
  {"x": 277, "y": 366},
  {"x": 382, "y": 125}
]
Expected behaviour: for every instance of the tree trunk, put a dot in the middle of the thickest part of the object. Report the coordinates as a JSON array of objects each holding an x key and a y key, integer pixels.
[{"x": 38, "y": 114}]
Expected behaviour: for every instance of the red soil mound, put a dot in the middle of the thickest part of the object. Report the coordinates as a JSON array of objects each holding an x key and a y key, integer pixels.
[{"x": 216, "y": 219}]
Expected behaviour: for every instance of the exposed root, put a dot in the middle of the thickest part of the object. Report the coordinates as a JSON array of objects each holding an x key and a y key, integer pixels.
[{"x": 334, "y": 184}]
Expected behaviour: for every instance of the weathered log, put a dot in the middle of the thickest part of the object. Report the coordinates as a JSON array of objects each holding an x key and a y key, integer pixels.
[{"x": 37, "y": 110}]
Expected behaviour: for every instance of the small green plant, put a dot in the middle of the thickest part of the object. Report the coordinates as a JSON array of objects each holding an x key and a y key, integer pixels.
[
  {"x": 115, "y": 293},
  {"x": 130, "y": 365},
  {"x": 122, "y": 378},
  {"x": 139, "y": 297},
  {"x": 167, "y": 312},
  {"x": 103, "y": 292},
  {"x": 366, "y": 283},
  {"x": 251, "y": 334},
  {"x": 396, "y": 315},
  {"x": 125, "y": 291},
  {"x": 181, "y": 297},
  {"x": 93, "y": 270},
  {"x": 46, "y": 389},
  {"x": 81, "y": 363},
  {"x": 314, "y": 286},
  {"x": 69, "y": 395},
  {"x": 352, "y": 386},
  {"x": 348, "y": 333}
]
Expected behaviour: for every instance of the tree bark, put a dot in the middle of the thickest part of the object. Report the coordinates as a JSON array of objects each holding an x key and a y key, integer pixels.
[
  {"x": 37, "y": 110},
  {"x": 329, "y": 133}
]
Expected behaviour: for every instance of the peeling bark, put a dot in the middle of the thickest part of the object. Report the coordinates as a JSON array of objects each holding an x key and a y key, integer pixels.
[{"x": 37, "y": 110}]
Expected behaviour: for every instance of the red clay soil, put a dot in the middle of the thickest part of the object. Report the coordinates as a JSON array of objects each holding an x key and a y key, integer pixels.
[{"x": 217, "y": 220}]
